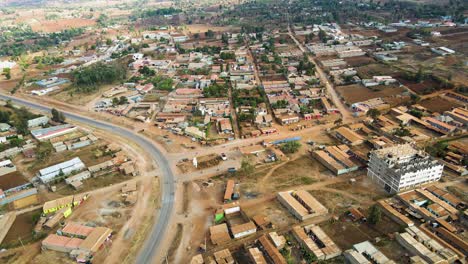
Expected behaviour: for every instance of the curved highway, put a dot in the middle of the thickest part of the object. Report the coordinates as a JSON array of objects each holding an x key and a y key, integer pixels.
[{"x": 153, "y": 241}]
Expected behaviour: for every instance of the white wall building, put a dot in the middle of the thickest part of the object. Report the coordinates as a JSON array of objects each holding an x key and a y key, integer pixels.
[
  {"x": 402, "y": 167},
  {"x": 50, "y": 173}
]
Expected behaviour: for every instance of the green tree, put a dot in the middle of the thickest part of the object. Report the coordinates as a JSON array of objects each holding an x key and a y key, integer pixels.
[
  {"x": 402, "y": 131},
  {"x": 123, "y": 100},
  {"x": 375, "y": 214},
  {"x": 16, "y": 142},
  {"x": 43, "y": 150},
  {"x": 290, "y": 147},
  {"x": 225, "y": 38},
  {"x": 162, "y": 83},
  {"x": 419, "y": 77},
  {"x": 88, "y": 79},
  {"x": 438, "y": 149},
  {"x": 57, "y": 116},
  {"x": 4, "y": 116},
  {"x": 7, "y": 73},
  {"x": 210, "y": 34},
  {"x": 322, "y": 36},
  {"x": 416, "y": 113},
  {"x": 373, "y": 113},
  {"x": 147, "y": 71},
  {"x": 247, "y": 168},
  {"x": 23, "y": 63},
  {"x": 102, "y": 20},
  {"x": 115, "y": 101}
]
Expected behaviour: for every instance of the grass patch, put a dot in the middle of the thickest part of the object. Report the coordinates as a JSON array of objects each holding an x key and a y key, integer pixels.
[
  {"x": 93, "y": 183},
  {"x": 294, "y": 181},
  {"x": 459, "y": 193}
]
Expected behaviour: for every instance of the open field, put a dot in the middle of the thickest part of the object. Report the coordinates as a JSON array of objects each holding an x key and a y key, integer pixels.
[
  {"x": 358, "y": 93},
  {"x": 49, "y": 26},
  {"x": 201, "y": 28},
  {"x": 22, "y": 230},
  {"x": 438, "y": 104},
  {"x": 375, "y": 69},
  {"x": 367, "y": 190},
  {"x": 11, "y": 180},
  {"x": 68, "y": 96},
  {"x": 92, "y": 183},
  {"x": 359, "y": 61},
  {"x": 302, "y": 171},
  {"x": 425, "y": 87}
]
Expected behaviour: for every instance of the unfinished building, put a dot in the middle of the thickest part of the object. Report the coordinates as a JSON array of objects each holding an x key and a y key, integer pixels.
[
  {"x": 402, "y": 167},
  {"x": 301, "y": 204},
  {"x": 316, "y": 241}
]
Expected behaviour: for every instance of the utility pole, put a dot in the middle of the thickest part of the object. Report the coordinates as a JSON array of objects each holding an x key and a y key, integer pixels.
[{"x": 19, "y": 238}]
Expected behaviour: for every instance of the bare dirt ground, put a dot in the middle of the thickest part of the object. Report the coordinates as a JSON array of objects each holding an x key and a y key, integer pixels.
[
  {"x": 438, "y": 104},
  {"x": 359, "y": 61},
  {"x": 80, "y": 99},
  {"x": 199, "y": 28},
  {"x": 49, "y": 26},
  {"x": 358, "y": 93}
]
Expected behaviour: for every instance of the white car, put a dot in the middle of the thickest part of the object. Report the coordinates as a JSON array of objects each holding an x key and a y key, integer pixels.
[{"x": 223, "y": 156}]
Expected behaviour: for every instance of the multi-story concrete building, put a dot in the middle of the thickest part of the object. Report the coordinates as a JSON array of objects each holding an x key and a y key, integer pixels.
[{"x": 402, "y": 167}]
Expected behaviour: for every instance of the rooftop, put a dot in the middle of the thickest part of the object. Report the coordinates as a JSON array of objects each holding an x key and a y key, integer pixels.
[{"x": 77, "y": 229}]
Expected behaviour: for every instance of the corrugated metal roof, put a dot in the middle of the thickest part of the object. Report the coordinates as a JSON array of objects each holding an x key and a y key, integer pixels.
[{"x": 60, "y": 166}]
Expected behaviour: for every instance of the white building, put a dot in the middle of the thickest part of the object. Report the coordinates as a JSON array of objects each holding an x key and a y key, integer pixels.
[
  {"x": 65, "y": 168},
  {"x": 6, "y": 166},
  {"x": 366, "y": 253},
  {"x": 137, "y": 56},
  {"x": 7, "y": 64},
  {"x": 39, "y": 121},
  {"x": 402, "y": 167}
]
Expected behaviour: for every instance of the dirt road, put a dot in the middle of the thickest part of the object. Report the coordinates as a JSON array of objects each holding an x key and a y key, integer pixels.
[{"x": 345, "y": 112}]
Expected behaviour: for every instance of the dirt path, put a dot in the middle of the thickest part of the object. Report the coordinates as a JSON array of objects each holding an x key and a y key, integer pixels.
[
  {"x": 235, "y": 124},
  {"x": 261, "y": 184},
  {"x": 345, "y": 113}
]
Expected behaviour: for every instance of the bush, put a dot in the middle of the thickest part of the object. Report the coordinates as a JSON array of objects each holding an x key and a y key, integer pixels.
[
  {"x": 227, "y": 56},
  {"x": 215, "y": 90},
  {"x": 375, "y": 215},
  {"x": 290, "y": 147},
  {"x": 43, "y": 151},
  {"x": 162, "y": 83},
  {"x": 57, "y": 116},
  {"x": 246, "y": 168}
]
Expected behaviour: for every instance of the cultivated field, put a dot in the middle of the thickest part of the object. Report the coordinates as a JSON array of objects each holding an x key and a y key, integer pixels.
[
  {"x": 438, "y": 104},
  {"x": 358, "y": 93}
]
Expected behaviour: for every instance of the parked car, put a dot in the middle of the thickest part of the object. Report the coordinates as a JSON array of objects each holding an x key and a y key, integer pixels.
[
  {"x": 223, "y": 156},
  {"x": 231, "y": 170}
]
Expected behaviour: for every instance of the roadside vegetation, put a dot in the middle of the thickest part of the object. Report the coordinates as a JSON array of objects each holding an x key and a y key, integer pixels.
[{"x": 90, "y": 78}]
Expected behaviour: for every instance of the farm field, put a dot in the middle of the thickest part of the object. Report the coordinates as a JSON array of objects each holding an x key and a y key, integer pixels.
[
  {"x": 438, "y": 104},
  {"x": 22, "y": 229},
  {"x": 11, "y": 180},
  {"x": 359, "y": 61},
  {"x": 357, "y": 93}
]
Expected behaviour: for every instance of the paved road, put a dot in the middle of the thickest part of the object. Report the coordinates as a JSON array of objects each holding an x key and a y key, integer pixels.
[{"x": 163, "y": 215}]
